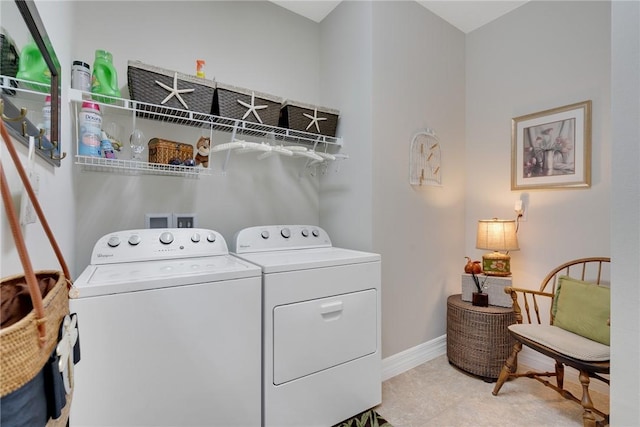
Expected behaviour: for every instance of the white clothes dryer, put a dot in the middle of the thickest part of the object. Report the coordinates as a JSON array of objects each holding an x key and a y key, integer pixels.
[
  {"x": 321, "y": 325},
  {"x": 170, "y": 332}
]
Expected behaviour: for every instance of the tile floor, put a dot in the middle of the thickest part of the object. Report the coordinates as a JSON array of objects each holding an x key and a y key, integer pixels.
[{"x": 438, "y": 394}]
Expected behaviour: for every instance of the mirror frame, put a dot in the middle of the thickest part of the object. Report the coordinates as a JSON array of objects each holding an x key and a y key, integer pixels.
[{"x": 32, "y": 19}]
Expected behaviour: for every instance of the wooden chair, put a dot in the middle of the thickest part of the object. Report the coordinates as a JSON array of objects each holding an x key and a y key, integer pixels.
[{"x": 589, "y": 357}]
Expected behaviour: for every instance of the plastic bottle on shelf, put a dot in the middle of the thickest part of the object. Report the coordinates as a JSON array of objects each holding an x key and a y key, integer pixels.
[
  {"x": 32, "y": 67},
  {"x": 104, "y": 80},
  {"x": 46, "y": 117},
  {"x": 81, "y": 76},
  {"x": 90, "y": 129},
  {"x": 106, "y": 147},
  {"x": 200, "y": 68}
]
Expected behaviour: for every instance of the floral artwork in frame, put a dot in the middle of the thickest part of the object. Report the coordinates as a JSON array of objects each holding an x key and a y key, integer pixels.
[{"x": 552, "y": 148}]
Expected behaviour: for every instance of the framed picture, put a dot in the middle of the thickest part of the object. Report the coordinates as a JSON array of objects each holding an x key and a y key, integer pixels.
[{"x": 552, "y": 148}]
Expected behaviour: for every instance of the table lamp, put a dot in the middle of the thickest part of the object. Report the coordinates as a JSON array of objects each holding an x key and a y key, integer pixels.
[{"x": 497, "y": 235}]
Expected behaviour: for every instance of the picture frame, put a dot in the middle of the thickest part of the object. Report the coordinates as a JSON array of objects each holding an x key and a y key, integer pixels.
[{"x": 552, "y": 148}]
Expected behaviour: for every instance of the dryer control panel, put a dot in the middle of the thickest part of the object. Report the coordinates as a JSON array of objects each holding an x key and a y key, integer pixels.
[
  {"x": 279, "y": 237},
  {"x": 157, "y": 243}
]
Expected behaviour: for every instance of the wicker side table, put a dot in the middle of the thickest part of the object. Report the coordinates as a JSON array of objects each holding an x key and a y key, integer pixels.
[{"x": 478, "y": 341}]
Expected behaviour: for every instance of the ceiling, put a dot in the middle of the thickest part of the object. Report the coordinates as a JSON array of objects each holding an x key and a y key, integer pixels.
[{"x": 466, "y": 15}]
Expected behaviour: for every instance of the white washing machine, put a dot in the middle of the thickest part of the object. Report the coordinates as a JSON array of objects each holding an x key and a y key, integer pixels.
[
  {"x": 170, "y": 332},
  {"x": 321, "y": 308}
]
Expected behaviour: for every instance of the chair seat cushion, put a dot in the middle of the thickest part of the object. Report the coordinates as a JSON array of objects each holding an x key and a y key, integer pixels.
[{"x": 563, "y": 341}]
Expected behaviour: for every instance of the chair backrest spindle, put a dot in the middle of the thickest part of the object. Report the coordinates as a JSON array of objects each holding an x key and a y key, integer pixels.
[
  {"x": 536, "y": 308},
  {"x": 526, "y": 308}
]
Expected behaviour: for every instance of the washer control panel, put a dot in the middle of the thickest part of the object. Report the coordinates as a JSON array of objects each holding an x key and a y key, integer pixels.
[
  {"x": 157, "y": 243},
  {"x": 279, "y": 237}
]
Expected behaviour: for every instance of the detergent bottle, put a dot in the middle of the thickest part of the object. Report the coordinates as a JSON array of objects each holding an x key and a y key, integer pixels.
[
  {"x": 90, "y": 132},
  {"x": 32, "y": 67},
  {"x": 104, "y": 80}
]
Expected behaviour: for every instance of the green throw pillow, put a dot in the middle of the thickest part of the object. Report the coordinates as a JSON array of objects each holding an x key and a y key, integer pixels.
[{"x": 582, "y": 308}]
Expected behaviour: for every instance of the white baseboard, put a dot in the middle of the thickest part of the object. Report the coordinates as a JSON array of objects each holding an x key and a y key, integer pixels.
[{"x": 415, "y": 356}]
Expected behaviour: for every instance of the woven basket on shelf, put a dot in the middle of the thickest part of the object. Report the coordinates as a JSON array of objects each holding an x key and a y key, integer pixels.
[
  {"x": 143, "y": 87},
  {"x": 226, "y": 104},
  {"x": 162, "y": 151},
  {"x": 299, "y": 116},
  {"x": 9, "y": 60}
]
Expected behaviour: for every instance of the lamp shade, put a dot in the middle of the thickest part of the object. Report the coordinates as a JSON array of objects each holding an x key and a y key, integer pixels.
[{"x": 497, "y": 235}]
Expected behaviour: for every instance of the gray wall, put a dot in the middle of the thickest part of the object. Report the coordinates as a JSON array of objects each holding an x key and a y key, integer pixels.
[
  {"x": 625, "y": 213},
  {"x": 513, "y": 69},
  {"x": 255, "y": 45},
  {"x": 346, "y": 80},
  {"x": 418, "y": 82}
]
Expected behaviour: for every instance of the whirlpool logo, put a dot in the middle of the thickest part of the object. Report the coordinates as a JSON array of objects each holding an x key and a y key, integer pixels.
[{"x": 104, "y": 255}]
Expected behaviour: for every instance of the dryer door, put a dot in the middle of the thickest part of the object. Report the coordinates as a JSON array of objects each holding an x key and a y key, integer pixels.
[{"x": 314, "y": 335}]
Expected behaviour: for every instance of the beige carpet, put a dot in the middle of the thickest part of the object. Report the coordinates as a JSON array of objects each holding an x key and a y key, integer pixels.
[{"x": 437, "y": 394}]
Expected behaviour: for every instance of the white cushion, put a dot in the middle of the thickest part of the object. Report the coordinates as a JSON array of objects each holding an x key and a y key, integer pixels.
[{"x": 564, "y": 342}]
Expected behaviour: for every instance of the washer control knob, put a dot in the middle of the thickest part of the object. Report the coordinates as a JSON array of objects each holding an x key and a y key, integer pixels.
[
  {"x": 211, "y": 237},
  {"x": 305, "y": 232},
  {"x": 315, "y": 232},
  {"x": 113, "y": 241},
  {"x": 166, "y": 238},
  {"x": 195, "y": 238},
  {"x": 265, "y": 234},
  {"x": 286, "y": 233},
  {"x": 135, "y": 239}
]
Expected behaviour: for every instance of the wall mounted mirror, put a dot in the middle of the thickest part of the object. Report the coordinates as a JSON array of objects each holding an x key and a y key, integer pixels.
[{"x": 22, "y": 105}]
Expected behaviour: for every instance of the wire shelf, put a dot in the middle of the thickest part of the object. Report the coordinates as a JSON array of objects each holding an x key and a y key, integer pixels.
[
  {"x": 32, "y": 90},
  {"x": 195, "y": 119},
  {"x": 134, "y": 167}
]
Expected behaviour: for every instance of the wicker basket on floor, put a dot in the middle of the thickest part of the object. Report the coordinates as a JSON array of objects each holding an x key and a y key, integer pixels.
[{"x": 478, "y": 340}]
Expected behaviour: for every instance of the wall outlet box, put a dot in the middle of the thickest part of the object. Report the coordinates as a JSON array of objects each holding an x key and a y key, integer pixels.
[
  {"x": 158, "y": 220},
  {"x": 494, "y": 288},
  {"x": 185, "y": 220}
]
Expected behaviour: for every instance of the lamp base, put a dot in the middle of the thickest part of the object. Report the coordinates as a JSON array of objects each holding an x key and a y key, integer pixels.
[{"x": 496, "y": 264}]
